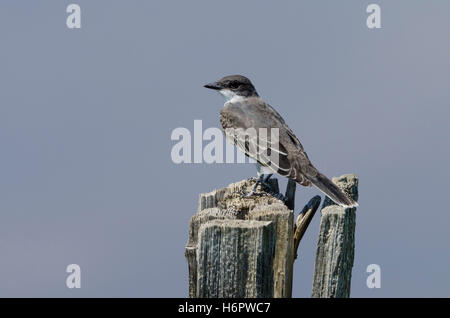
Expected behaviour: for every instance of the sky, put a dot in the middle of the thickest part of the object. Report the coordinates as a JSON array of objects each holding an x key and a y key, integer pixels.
[{"x": 86, "y": 117}]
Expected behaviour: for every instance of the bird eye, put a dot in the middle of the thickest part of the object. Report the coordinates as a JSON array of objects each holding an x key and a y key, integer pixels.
[{"x": 234, "y": 85}]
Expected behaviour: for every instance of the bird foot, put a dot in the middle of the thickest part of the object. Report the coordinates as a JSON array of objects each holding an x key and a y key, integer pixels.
[
  {"x": 252, "y": 193},
  {"x": 267, "y": 188}
]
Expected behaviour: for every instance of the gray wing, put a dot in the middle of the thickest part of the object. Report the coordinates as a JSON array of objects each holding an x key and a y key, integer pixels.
[{"x": 283, "y": 154}]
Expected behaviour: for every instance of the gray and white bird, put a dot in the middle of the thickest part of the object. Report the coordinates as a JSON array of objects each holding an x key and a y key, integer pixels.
[{"x": 243, "y": 110}]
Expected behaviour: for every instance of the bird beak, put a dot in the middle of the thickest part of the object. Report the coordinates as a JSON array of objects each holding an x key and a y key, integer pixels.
[{"x": 214, "y": 85}]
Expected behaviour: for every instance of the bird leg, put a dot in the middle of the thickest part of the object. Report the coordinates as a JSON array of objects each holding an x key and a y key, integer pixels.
[
  {"x": 258, "y": 181},
  {"x": 269, "y": 189},
  {"x": 264, "y": 180}
]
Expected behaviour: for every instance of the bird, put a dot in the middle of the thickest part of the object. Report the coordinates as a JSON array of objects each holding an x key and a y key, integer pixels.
[{"x": 244, "y": 110}]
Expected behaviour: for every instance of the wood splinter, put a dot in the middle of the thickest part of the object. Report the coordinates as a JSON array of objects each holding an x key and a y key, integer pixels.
[{"x": 303, "y": 220}]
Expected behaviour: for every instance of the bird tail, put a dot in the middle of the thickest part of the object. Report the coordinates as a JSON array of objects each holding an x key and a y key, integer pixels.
[{"x": 332, "y": 191}]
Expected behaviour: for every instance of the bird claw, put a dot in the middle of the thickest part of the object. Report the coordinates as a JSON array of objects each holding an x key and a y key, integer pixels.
[
  {"x": 281, "y": 197},
  {"x": 277, "y": 195},
  {"x": 250, "y": 194},
  {"x": 264, "y": 187}
]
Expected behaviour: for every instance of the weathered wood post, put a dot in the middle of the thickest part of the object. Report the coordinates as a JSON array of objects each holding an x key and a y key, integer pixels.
[
  {"x": 336, "y": 244},
  {"x": 239, "y": 246},
  {"x": 235, "y": 259},
  {"x": 246, "y": 246}
]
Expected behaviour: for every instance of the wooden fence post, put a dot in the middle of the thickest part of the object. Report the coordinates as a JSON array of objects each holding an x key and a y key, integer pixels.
[
  {"x": 245, "y": 246},
  {"x": 263, "y": 221},
  {"x": 336, "y": 245},
  {"x": 235, "y": 259}
]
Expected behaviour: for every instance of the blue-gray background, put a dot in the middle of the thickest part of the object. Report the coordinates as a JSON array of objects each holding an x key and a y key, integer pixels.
[{"x": 86, "y": 116}]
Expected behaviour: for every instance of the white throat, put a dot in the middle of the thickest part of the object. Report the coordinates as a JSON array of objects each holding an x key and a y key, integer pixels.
[{"x": 230, "y": 96}]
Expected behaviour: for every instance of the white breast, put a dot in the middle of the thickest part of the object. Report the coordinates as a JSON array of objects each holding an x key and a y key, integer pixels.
[{"x": 230, "y": 96}]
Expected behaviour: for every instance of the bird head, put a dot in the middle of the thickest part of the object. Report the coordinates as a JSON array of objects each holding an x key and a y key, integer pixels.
[{"x": 233, "y": 86}]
